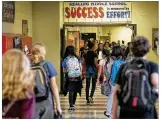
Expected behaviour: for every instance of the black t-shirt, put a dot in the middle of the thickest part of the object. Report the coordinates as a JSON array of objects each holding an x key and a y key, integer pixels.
[{"x": 90, "y": 56}]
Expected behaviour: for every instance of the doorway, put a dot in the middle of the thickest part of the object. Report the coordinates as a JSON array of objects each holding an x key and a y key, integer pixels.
[
  {"x": 88, "y": 36},
  {"x": 93, "y": 31},
  {"x": 102, "y": 32}
]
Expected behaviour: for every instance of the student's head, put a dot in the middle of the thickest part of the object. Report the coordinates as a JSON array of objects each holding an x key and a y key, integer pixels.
[
  {"x": 91, "y": 45},
  {"x": 113, "y": 44},
  {"x": 105, "y": 53},
  {"x": 140, "y": 46},
  {"x": 122, "y": 41},
  {"x": 17, "y": 78},
  {"x": 110, "y": 45},
  {"x": 116, "y": 51},
  {"x": 38, "y": 52},
  {"x": 70, "y": 51},
  {"x": 106, "y": 44},
  {"x": 86, "y": 44},
  {"x": 100, "y": 46}
]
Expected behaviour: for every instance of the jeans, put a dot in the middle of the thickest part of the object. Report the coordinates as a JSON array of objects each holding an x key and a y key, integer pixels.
[
  {"x": 110, "y": 103},
  {"x": 72, "y": 98},
  {"x": 88, "y": 79}
]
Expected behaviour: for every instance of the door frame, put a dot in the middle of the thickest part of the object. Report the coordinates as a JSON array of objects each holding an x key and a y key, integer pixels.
[
  {"x": 134, "y": 27},
  {"x": 97, "y": 25}
]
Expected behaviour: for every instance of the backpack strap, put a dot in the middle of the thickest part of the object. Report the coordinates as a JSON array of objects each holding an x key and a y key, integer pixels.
[
  {"x": 42, "y": 63},
  {"x": 110, "y": 73},
  {"x": 149, "y": 72},
  {"x": 8, "y": 107}
]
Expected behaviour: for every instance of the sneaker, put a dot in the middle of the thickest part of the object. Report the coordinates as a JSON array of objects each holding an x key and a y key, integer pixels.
[
  {"x": 73, "y": 105},
  {"x": 91, "y": 100},
  {"x": 71, "y": 109},
  {"x": 107, "y": 115},
  {"x": 88, "y": 103}
]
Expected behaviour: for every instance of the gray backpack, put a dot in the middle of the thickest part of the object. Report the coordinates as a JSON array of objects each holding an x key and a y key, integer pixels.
[
  {"x": 41, "y": 79},
  {"x": 106, "y": 87}
]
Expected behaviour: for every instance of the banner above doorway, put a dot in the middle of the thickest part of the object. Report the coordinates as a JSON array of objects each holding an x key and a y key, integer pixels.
[{"x": 118, "y": 12}]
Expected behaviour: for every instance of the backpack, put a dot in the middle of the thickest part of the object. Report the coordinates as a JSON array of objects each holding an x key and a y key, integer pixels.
[
  {"x": 41, "y": 79},
  {"x": 114, "y": 69},
  {"x": 73, "y": 67},
  {"x": 136, "y": 89},
  {"x": 106, "y": 87}
]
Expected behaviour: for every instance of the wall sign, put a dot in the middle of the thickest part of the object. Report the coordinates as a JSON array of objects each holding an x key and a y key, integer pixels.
[
  {"x": 155, "y": 39},
  {"x": 8, "y": 11},
  {"x": 97, "y": 11}
]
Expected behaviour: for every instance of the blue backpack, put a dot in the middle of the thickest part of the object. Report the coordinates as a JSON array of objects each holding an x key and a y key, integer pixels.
[{"x": 114, "y": 69}]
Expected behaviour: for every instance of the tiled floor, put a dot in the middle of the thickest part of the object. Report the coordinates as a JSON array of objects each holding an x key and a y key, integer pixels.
[{"x": 82, "y": 111}]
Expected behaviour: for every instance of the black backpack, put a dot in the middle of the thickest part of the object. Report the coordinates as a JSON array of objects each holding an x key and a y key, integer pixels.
[
  {"x": 41, "y": 79},
  {"x": 136, "y": 88}
]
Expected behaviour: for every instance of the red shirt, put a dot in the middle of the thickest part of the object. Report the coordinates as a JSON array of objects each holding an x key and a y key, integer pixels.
[{"x": 23, "y": 109}]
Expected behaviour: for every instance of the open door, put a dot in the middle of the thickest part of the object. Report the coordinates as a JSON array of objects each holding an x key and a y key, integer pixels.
[
  {"x": 73, "y": 38},
  {"x": 68, "y": 38}
]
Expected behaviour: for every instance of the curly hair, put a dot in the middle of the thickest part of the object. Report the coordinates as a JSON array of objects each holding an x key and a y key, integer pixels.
[
  {"x": 17, "y": 78},
  {"x": 38, "y": 52},
  {"x": 140, "y": 46}
]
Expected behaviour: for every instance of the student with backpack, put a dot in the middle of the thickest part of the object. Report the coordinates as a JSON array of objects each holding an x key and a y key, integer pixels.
[
  {"x": 91, "y": 72},
  {"x": 111, "y": 66},
  {"x": 107, "y": 86},
  {"x": 137, "y": 84},
  {"x": 73, "y": 70},
  {"x": 18, "y": 101},
  {"x": 46, "y": 90}
]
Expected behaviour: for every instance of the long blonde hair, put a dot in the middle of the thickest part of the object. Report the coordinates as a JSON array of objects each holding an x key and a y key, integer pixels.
[
  {"x": 38, "y": 52},
  {"x": 17, "y": 78}
]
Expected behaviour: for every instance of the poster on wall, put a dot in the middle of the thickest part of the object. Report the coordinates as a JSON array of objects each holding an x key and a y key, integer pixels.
[
  {"x": 155, "y": 39},
  {"x": 8, "y": 11},
  {"x": 97, "y": 11}
]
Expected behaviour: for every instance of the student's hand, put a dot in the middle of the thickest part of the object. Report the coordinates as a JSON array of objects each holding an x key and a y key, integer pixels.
[
  {"x": 98, "y": 82},
  {"x": 114, "y": 117},
  {"x": 59, "y": 110}
]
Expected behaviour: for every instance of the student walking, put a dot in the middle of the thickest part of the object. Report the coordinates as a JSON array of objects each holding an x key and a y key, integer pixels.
[
  {"x": 72, "y": 68},
  {"x": 46, "y": 90},
  {"x": 91, "y": 72},
  {"x": 137, "y": 84},
  {"x": 111, "y": 66},
  {"x": 18, "y": 99}
]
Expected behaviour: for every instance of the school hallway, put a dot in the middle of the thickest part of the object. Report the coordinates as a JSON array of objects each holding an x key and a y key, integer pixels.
[{"x": 82, "y": 111}]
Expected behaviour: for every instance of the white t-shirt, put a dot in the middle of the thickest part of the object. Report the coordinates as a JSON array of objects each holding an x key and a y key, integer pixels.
[
  {"x": 103, "y": 62},
  {"x": 100, "y": 55}
]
